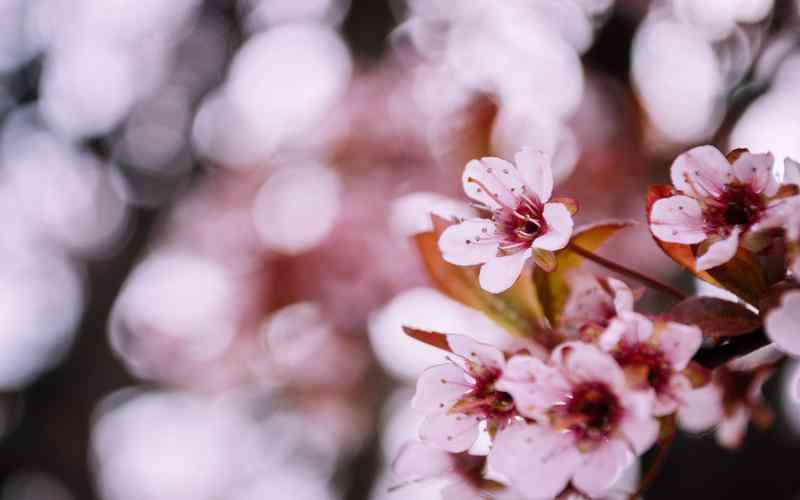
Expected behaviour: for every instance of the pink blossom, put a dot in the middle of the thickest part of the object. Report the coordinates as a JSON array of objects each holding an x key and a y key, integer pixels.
[
  {"x": 781, "y": 323},
  {"x": 718, "y": 203},
  {"x": 458, "y": 396},
  {"x": 592, "y": 303},
  {"x": 728, "y": 402},
  {"x": 653, "y": 356},
  {"x": 418, "y": 462},
  {"x": 523, "y": 224},
  {"x": 587, "y": 427}
]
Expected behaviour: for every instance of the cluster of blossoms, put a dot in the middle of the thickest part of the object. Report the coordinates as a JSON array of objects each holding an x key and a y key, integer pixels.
[{"x": 568, "y": 415}]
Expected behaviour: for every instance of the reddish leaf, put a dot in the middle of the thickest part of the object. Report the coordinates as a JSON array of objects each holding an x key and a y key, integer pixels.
[
  {"x": 438, "y": 340},
  {"x": 715, "y": 317},
  {"x": 553, "y": 287}
]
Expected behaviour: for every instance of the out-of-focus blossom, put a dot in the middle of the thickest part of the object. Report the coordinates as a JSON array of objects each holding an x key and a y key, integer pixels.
[
  {"x": 261, "y": 14},
  {"x": 728, "y": 402},
  {"x": 419, "y": 462},
  {"x": 523, "y": 223},
  {"x": 719, "y": 202},
  {"x": 782, "y": 323},
  {"x": 204, "y": 449},
  {"x": 592, "y": 303},
  {"x": 653, "y": 355},
  {"x": 718, "y": 18},
  {"x": 458, "y": 396},
  {"x": 297, "y": 207},
  {"x": 589, "y": 424}
]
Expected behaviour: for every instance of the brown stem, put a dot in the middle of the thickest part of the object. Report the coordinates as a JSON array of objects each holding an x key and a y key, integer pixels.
[
  {"x": 655, "y": 467},
  {"x": 630, "y": 273}
]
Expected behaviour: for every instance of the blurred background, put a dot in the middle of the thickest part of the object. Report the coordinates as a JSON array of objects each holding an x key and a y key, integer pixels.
[{"x": 206, "y": 206}]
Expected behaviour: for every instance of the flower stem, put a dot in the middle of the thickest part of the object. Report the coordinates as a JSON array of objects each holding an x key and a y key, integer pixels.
[{"x": 630, "y": 273}]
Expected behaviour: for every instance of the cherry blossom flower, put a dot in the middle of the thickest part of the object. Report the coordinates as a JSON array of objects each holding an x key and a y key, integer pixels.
[
  {"x": 719, "y": 201},
  {"x": 463, "y": 472},
  {"x": 728, "y": 402},
  {"x": 523, "y": 224},
  {"x": 457, "y": 396},
  {"x": 653, "y": 355},
  {"x": 592, "y": 303},
  {"x": 781, "y": 323},
  {"x": 589, "y": 425}
]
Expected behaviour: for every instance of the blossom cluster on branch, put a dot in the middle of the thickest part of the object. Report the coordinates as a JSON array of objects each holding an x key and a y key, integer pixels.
[{"x": 592, "y": 383}]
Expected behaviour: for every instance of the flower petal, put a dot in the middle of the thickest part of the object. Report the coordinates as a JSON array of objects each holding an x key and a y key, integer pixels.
[
  {"x": 623, "y": 295},
  {"x": 782, "y": 324},
  {"x": 535, "y": 169},
  {"x": 602, "y": 467},
  {"x": 719, "y": 252},
  {"x": 791, "y": 171},
  {"x": 500, "y": 273},
  {"x": 439, "y": 387},
  {"x": 416, "y": 461},
  {"x": 559, "y": 228},
  {"x": 535, "y": 459},
  {"x": 461, "y": 490},
  {"x": 678, "y": 342},
  {"x": 453, "y": 432},
  {"x": 468, "y": 243},
  {"x": 731, "y": 430},
  {"x": 583, "y": 362},
  {"x": 677, "y": 219},
  {"x": 701, "y": 172},
  {"x": 480, "y": 176},
  {"x": 534, "y": 385},
  {"x": 756, "y": 170},
  {"x": 485, "y": 355},
  {"x": 702, "y": 408},
  {"x": 641, "y": 431}
]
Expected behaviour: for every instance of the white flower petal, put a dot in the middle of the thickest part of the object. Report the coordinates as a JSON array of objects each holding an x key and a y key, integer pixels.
[
  {"x": 701, "y": 172},
  {"x": 583, "y": 362},
  {"x": 677, "y": 219},
  {"x": 438, "y": 388},
  {"x": 731, "y": 430},
  {"x": 485, "y": 355},
  {"x": 791, "y": 172},
  {"x": 719, "y": 252},
  {"x": 602, "y": 467},
  {"x": 453, "y": 432},
  {"x": 535, "y": 459},
  {"x": 783, "y": 324},
  {"x": 500, "y": 273},
  {"x": 481, "y": 175},
  {"x": 756, "y": 170},
  {"x": 679, "y": 343},
  {"x": 534, "y": 385},
  {"x": 469, "y": 243},
  {"x": 416, "y": 461},
  {"x": 559, "y": 227},
  {"x": 535, "y": 169},
  {"x": 641, "y": 431}
]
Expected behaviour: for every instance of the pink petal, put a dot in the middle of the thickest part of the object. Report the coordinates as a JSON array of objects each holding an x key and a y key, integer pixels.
[
  {"x": 485, "y": 355},
  {"x": 623, "y": 295},
  {"x": 468, "y": 243},
  {"x": 756, "y": 170},
  {"x": 783, "y": 213},
  {"x": 439, "y": 387},
  {"x": 535, "y": 169},
  {"x": 679, "y": 343},
  {"x": 677, "y": 219},
  {"x": 534, "y": 385},
  {"x": 701, "y": 172},
  {"x": 461, "y": 490},
  {"x": 731, "y": 430},
  {"x": 453, "y": 432},
  {"x": 719, "y": 252},
  {"x": 783, "y": 324},
  {"x": 791, "y": 172},
  {"x": 640, "y": 432},
  {"x": 485, "y": 172},
  {"x": 602, "y": 467},
  {"x": 702, "y": 408},
  {"x": 500, "y": 273},
  {"x": 416, "y": 461},
  {"x": 586, "y": 363},
  {"x": 535, "y": 459},
  {"x": 559, "y": 227},
  {"x": 674, "y": 397}
]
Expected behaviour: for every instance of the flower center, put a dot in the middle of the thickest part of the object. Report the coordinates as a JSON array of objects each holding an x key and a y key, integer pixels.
[
  {"x": 520, "y": 226},
  {"x": 592, "y": 413},
  {"x": 644, "y": 366},
  {"x": 738, "y": 205}
]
